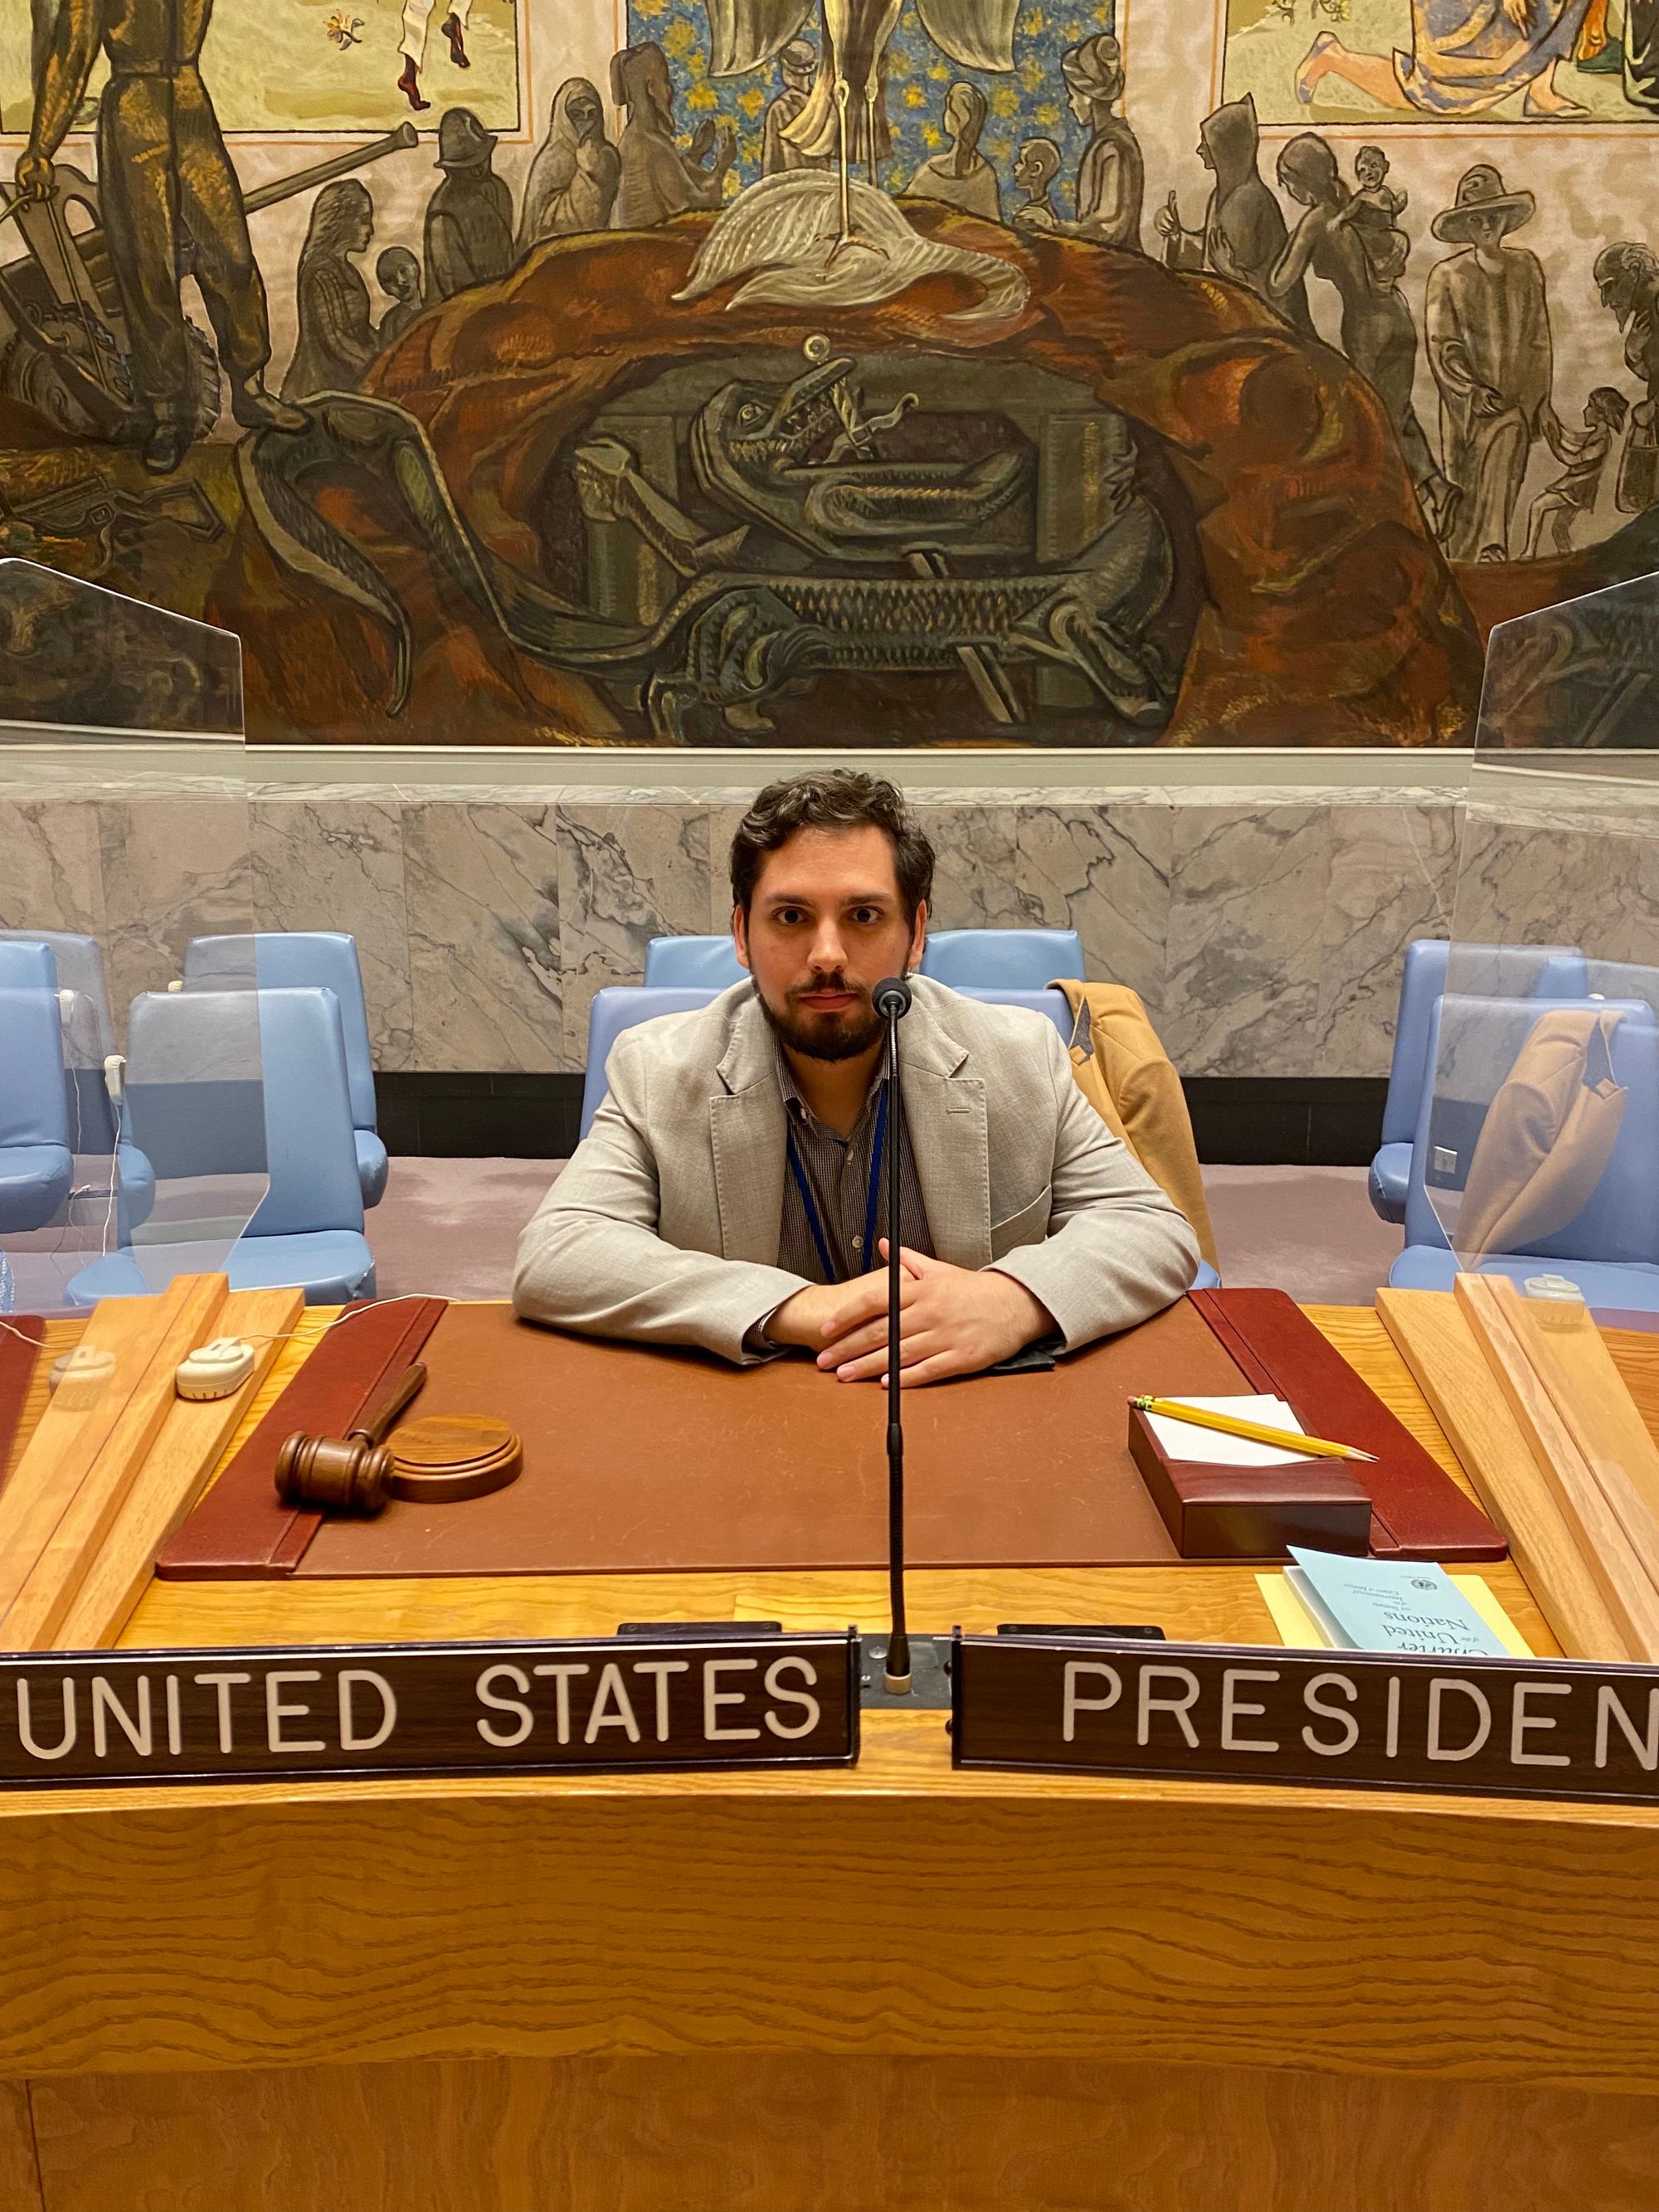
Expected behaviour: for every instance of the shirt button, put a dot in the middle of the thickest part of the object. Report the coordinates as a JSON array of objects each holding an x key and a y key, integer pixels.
[{"x": 858, "y": 1243}]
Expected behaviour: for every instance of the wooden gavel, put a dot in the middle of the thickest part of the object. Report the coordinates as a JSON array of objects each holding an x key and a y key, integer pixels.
[{"x": 350, "y": 1473}]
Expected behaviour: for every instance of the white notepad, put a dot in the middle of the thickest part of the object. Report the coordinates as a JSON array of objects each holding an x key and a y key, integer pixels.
[{"x": 1186, "y": 1440}]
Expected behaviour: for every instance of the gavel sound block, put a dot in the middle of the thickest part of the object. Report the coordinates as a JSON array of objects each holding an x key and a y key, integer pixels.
[{"x": 434, "y": 1463}]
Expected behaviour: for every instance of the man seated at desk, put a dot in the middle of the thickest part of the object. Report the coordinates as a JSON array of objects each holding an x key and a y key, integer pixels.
[{"x": 729, "y": 1193}]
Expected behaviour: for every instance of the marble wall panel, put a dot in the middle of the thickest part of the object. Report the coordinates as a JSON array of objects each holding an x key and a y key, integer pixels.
[
  {"x": 1393, "y": 877},
  {"x": 171, "y": 869},
  {"x": 338, "y": 864},
  {"x": 50, "y": 868},
  {"x": 1103, "y": 869},
  {"x": 627, "y": 874},
  {"x": 1247, "y": 901},
  {"x": 483, "y": 888},
  {"x": 974, "y": 882}
]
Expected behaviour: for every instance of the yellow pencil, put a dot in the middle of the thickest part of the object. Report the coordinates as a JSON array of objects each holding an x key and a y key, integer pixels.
[{"x": 1229, "y": 1424}]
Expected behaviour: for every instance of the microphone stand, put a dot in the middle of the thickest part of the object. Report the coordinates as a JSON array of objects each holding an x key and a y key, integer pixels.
[{"x": 896, "y": 1674}]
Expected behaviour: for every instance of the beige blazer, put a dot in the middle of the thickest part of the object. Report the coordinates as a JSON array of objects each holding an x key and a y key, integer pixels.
[{"x": 665, "y": 1226}]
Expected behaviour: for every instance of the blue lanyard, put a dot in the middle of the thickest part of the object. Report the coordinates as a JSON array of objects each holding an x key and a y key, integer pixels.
[{"x": 798, "y": 1169}]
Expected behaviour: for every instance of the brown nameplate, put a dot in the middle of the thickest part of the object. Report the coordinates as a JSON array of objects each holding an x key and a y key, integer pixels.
[
  {"x": 1208, "y": 1712},
  {"x": 105, "y": 1719},
  {"x": 1251, "y": 1512}
]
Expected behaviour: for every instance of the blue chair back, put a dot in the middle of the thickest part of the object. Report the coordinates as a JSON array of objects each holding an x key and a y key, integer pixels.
[
  {"x": 36, "y": 1165},
  {"x": 1495, "y": 971},
  {"x": 27, "y": 964},
  {"x": 80, "y": 963},
  {"x": 297, "y": 960},
  {"x": 1001, "y": 959},
  {"x": 691, "y": 963},
  {"x": 228, "y": 1083},
  {"x": 32, "y": 1107},
  {"x": 622, "y": 1005},
  {"x": 620, "y": 1008},
  {"x": 1620, "y": 1221}
]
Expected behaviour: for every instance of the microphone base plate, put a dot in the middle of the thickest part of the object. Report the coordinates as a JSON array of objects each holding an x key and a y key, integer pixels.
[{"x": 930, "y": 1676}]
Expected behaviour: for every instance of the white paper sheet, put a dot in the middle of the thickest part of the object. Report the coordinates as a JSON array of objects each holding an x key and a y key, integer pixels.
[{"x": 1185, "y": 1440}]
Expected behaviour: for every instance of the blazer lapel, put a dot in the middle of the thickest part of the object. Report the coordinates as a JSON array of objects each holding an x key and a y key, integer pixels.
[
  {"x": 747, "y": 1130},
  {"x": 950, "y": 1140}
]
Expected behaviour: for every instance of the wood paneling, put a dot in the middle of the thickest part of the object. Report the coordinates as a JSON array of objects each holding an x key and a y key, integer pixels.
[
  {"x": 792, "y": 2134},
  {"x": 898, "y": 1908},
  {"x": 19, "y": 2183}
]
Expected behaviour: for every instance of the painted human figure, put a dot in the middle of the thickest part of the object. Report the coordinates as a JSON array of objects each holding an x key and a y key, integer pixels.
[
  {"x": 338, "y": 339},
  {"x": 1583, "y": 456},
  {"x": 1466, "y": 55},
  {"x": 1111, "y": 177},
  {"x": 469, "y": 218},
  {"x": 1036, "y": 167},
  {"x": 961, "y": 176},
  {"x": 163, "y": 169},
  {"x": 799, "y": 63},
  {"x": 573, "y": 180},
  {"x": 1244, "y": 234},
  {"x": 1627, "y": 278},
  {"x": 417, "y": 15},
  {"x": 398, "y": 273},
  {"x": 1373, "y": 212},
  {"x": 656, "y": 179},
  {"x": 1488, "y": 331},
  {"x": 1378, "y": 334}
]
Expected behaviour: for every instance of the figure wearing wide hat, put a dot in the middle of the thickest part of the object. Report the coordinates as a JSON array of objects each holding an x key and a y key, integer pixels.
[
  {"x": 469, "y": 219},
  {"x": 1488, "y": 331}
]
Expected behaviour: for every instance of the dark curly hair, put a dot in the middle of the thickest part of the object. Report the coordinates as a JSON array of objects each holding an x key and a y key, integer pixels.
[{"x": 831, "y": 798}]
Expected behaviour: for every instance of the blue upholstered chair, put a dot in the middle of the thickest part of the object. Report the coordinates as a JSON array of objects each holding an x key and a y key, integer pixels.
[
  {"x": 302, "y": 959},
  {"x": 36, "y": 1165},
  {"x": 1610, "y": 1249},
  {"x": 208, "y": 1095},
  {"x": 1511, "y": 970},
  {"x": 73, "y": 966},
  {"x": 699, "y": 963},
  {"x": 1002, "y": 959}
]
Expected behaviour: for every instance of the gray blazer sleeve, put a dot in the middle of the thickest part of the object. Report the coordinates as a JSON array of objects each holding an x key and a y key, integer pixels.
[
  {"x": 590, "y": 1260},
  {"x": 1118, "y": 1250}
]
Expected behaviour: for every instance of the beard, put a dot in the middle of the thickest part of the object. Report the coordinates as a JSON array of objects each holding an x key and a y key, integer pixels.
[{"x": 824, "y": 1036}]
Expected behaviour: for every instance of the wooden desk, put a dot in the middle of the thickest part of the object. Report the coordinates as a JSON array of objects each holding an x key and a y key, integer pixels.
[{"x": 865, "y": 1991}]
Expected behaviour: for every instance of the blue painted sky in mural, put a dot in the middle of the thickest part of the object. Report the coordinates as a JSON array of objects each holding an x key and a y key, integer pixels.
[{"x": 1028, "y": 103}]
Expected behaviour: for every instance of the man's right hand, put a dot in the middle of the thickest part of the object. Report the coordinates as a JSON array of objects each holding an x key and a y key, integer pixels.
[
  {"x": 825, "y": 1312},
  {"x": 34, "y": 176}
]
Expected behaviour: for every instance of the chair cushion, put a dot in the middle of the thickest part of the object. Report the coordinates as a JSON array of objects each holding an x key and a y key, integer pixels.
[
  {"x": 372, "y": 1165},
  {"x": 34, "y": 1181},
  {"x": 330, "y": 1265},
  {"x": 1389, "y": 1179},
  {"x": 1633, "y": 1285}
]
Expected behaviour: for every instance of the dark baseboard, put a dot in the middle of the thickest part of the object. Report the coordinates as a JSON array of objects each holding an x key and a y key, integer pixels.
[
  {"x": 479, "y": 1117},
  {"x": 1290, "y": 1120},
  {"x": 1238, "y": 1120}
]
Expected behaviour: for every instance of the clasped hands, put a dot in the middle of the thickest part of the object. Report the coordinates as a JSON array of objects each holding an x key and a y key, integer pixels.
[{"x": 955, "y": 1321}]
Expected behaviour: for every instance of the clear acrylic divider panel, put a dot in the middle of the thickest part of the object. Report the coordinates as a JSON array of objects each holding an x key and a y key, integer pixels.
[
  {"x": 1537, "y": 1152},
  {"x": 132, "y": 1130}
]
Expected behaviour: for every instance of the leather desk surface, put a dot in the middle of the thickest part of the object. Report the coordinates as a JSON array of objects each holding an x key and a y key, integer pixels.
[{"x": 642, "y": 1459}]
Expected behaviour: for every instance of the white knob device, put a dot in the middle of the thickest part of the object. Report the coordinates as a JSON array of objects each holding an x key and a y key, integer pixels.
[{"x": 216, "y": 1370}]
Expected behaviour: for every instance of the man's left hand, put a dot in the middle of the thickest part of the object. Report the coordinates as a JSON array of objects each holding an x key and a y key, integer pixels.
[{"x": 955, "y": 1321}]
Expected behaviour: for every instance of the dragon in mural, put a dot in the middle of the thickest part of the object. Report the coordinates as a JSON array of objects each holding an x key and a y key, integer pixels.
[{"x": 793, "y": 469}]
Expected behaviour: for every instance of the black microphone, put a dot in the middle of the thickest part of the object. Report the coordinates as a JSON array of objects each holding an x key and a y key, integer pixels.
[{"x": 891, "y": 1000}]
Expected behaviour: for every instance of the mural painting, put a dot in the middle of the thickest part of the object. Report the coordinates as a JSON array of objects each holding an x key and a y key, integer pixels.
[{"x": 797, "y": 372}]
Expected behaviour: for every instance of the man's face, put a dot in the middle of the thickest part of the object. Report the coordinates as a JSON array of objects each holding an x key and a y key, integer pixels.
[
  {"x": 1486, "y": 231},
  {"x": 826, "y": 924}
]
